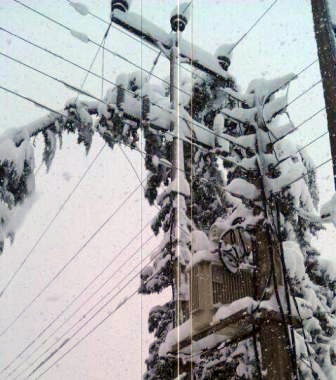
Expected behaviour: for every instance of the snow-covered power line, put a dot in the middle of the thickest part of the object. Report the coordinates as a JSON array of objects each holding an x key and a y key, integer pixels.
[
  {"x": 72, "y": 258},
  {"x": 127, "y": 90},
  {"x": 305, "y": 174},
  {"x": 58, "y": 316},
  {"x": 84, "y": 314},
  {"x": 138, "y": 40},
  {"x": 84, "y": 38},
  {"x": 74, "y": 88}
]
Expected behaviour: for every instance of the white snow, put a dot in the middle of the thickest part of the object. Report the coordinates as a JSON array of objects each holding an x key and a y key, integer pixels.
[
  {"x": 240, "y": 187},
  {"x": 224, "y": 50},
  {"x": 182, "y": 9},
  {"x": 263, "y": 88},
  {"x": 199, "y": 241},
  {"x": 80, "y": 36},
  {"x": 226, "y": 311},
  {"x": 81, "y": 8},
  {"x": 294, "y": 259},
  {"x": 328, "y": 211}
]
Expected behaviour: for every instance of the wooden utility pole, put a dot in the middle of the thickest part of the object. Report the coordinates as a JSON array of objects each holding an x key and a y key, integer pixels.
[{"x": 325, "y": 41}]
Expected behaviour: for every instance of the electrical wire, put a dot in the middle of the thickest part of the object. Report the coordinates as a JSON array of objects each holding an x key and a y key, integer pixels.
[
  {"x": 89, "y": 40},
  {"x": 254, "y": 25},
  {"x": 75, "y": 298},
  {"x": 138, "y": 40},
  {"x": 304, "y": 174},
  {"x": 298, "y": 126},
  {"x": 73, "y": 88},
  {"x": 93, "y": 316},
  {"x": 51, "y": 222},
  {"x": 11, "y": 279},
  {"x": 81, "y": 306},
  {"x": 72, "y": 258}
]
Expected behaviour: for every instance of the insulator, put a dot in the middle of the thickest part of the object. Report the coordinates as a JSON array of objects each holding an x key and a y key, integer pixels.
[
  {"x": 224, "y": 62},
  {"x": 121, "y": 5},
  {"x": 120, "y": 98},
  {"x": 178, "y": 23},
  {"x": 179, "y": 17}
]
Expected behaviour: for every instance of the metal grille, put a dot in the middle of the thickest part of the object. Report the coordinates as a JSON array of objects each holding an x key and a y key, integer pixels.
[{"x": 228, "y": 287}]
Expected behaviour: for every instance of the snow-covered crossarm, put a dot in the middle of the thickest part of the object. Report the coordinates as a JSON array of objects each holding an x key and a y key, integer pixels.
[{"x": 156, "y": 36}]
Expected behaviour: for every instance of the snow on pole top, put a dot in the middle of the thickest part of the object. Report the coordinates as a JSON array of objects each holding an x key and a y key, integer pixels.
[
  {"x": 179, "y": 17},
  {"x": 121, "y": 5},
  {"x": 224, "y": 55}
]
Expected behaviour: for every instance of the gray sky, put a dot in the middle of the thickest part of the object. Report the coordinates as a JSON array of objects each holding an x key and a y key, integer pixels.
[{"x": 283, "y": 42}]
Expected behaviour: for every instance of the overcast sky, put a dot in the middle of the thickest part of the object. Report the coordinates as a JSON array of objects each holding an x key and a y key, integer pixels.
[{"x": 283, "y": 42}]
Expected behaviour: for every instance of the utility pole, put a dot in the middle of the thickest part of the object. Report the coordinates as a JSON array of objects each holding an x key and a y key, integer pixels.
[
  {"x": 276, "y": 360},
  {"x": 326, "y": 48}
]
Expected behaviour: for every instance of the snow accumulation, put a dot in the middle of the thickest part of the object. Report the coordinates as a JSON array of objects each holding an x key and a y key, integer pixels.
[
  {"x": 263, "y": 88},
  {"x": 249, "y": 305},
  {"x": 222, "y": 225},
  {"x": 225, "y": 50},
  {"x": 274, "y": 107},
  {"x": 202, "y": 256},
  {"x": 80, "y": 8},
  {"x": 244, "y": 98},
  {"x": 182, "y": 9},
  {"x": 240, "y": 187},
  {"x": 179, "y": 185},
  {"x": 179, "y": 333},
  {"x": 328, "y": 211},
  {"x": 164, "y": 39},
  {"x": 294, "y": 259},
  {"x": 80, "y": 36},
  {"x": 199, "y": 241},
  {"x": 225, "y": 311}
]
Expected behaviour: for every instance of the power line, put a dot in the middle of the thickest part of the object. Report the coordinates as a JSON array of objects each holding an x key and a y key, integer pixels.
[
  {"x": 89, "y": 40},
  {"x": 254, "y": 25},
  {"x": 116, "y": 271},
  {"x": 302, "y": 148},
  {"x": 304, "y": 174},
  {"x": 32, "y": 101},
  {"x": 66, "y": 84},
  {"x": 71, "y": 193},
  {"x": 92, "y": 236},
  {"x": 210, "y": 131},
  {"x": 72, "y": 87},
  {"x": 304, "y": 92},
  {"x": 138, "y": 40},
  {"x": 96, "y": 326},
  {"x": 298, "y": 126},
  {"x": 75, "y": 299},
  {"x": 15, "y": 273}
]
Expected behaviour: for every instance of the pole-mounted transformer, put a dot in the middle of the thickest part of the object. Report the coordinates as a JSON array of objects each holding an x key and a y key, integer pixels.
[
  {"x": 121, "y": 5},
  {"x": 179, "y": 17}
]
